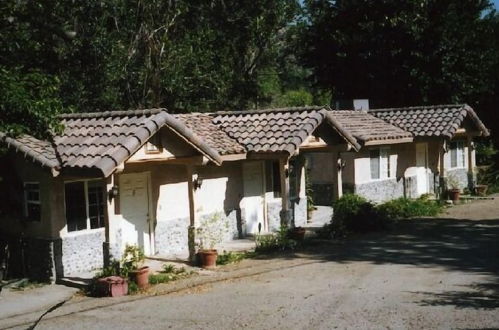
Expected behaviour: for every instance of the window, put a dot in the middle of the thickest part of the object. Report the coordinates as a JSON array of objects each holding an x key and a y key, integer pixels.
[
  {"x": 32, "y": 206},
  {"x": 276, "y": 179},
  {"x": 153, "y": 146},
  {"x": 457, "y": 154},
  {"x": 84, "y": 205},
  {"x": 96, "y": 204},
  {"x": 380, "y": 163}
]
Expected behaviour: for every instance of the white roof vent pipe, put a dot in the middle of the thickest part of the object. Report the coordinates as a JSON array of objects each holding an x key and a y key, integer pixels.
[{"x": 361, "y": 104}]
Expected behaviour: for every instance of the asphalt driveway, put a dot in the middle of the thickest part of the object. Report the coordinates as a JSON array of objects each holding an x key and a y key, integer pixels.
[{"x": 427, "y": 273}]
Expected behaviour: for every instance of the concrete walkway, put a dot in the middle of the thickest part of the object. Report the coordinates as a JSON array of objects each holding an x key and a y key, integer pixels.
[
  {"x": 320, "y": 216},
  {"x": 16, "y": 302}
]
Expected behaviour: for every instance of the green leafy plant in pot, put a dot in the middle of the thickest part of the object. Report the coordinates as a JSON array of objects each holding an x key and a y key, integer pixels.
[
  {"x": 132, "y": 262},
  {"x": 209, "y": 234}
]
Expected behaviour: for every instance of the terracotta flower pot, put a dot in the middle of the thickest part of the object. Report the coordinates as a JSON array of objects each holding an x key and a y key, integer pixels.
[
  {"x": 112, "y": 286},
  {"x": 297, "y": 233},
  {"x": 141, "y": 277},
  {"x": 208, "y": 258},
  {"x": 454, "y": 194},
  {"x": 481, "y": 189}
]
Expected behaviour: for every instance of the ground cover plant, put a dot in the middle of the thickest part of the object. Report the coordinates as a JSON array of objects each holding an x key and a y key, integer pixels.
[
  {"x": 355, "y": 214},
  {"x": 272, "y": 242}
]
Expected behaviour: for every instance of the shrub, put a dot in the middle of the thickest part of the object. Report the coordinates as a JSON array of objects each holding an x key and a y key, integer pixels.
[
  {"x": 401, "y": 208},
  {"x": 278, "y": 241},
  {"x": 353, "y": 213}
]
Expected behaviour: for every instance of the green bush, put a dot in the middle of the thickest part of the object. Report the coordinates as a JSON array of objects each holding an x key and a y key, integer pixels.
[
  {"x": 278, "y": 241},
  {"x": 403, "y": 208},
  {"x": 353, "y": 213}
]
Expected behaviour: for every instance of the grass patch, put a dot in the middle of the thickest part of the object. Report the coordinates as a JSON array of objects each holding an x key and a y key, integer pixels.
[
  {"x": 404, "y": 208},
  {"x": 162, "y": 278},
  {"x": 233, "y": 257}
]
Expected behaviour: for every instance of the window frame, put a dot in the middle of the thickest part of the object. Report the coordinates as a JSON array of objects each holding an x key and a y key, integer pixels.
[
  {"x": 28, "y": 201},
  {"x": 275, "y": 174},
  {"x": 383, "y": 152},
  {"x": 153, "y": 145},
  {"x": 460, "y": 145},
  {"x": 88, "y": 227}
]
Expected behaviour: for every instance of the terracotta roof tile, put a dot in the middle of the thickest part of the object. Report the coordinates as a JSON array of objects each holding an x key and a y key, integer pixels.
[
  {"x": 435, "y": 120},
  {"x": 365, "y": 127},
  {"x": 102, "y": 141}
]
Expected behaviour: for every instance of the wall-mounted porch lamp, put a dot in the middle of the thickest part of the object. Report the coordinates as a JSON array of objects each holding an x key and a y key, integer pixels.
[
  {"x": 197, "y": 182},
  {"x": 114, "y": 192}
]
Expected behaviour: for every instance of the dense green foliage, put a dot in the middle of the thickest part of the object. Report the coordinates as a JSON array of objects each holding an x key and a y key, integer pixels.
[
  {"x": 406, "y": 52},
  {"x": 354, "y": 214},
  {"x": 29, "y": 103},
  {"x": 404, "y": 208}
]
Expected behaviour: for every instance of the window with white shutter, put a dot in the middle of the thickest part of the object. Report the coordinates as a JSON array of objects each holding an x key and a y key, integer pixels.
[
  {"x": 380, "y": 163},
  {"x": 457, "y": 154}
]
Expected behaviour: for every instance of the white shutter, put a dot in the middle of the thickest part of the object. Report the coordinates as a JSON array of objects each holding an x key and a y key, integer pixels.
[{"x": 384, "y": 163}]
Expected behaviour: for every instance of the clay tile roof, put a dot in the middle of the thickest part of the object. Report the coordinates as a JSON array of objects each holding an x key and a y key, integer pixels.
[
  {"x": 202, "y": 125},
  {"x": 276, "y": 130},
  {"x": 366, "y": 127},
  {"x": 102, "y": 141},
  {"x": 434, "y": 120}
]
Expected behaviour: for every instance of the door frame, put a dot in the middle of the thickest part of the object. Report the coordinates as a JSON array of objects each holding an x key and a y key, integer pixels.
[
  {"x": 151, "y": 216},
  {"x": 426, "y": 167},
  {"x": 261, "y": 166}
]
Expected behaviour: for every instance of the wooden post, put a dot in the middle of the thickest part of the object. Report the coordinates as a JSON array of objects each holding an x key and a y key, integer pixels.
[
  {"x": 192, "y": 213},
  {"x": 284, "y": 176},
  {"x": 471, "y": 177},
  {"x": 338, "y": 184},
  {"x": 441, "y": 169}
]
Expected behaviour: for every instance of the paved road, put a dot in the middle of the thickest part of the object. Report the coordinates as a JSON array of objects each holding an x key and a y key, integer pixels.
[{"x": 432, "y": 273}]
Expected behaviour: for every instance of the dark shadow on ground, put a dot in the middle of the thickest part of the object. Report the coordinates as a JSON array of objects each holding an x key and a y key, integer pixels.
[
  {"x": 465, "y": 245},
  {"x": 478, "y": 296},
  {"x": 452, "y": 244}
]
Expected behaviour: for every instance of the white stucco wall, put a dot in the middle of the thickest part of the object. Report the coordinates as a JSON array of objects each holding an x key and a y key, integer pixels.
[{"x": 173, "y": 201}]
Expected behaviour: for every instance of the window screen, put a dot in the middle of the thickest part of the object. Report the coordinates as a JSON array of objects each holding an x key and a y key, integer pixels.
[
  {"x": 457, "y": 154},
  {"x": 96, "y": 204},
  {"x": 76, "y": 213},
  {"x": 375, "y": 163},
  {"x": 276, "y": 179},
  {"x": 32, "y": 200}
]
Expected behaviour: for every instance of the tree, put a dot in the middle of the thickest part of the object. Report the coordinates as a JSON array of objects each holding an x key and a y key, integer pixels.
[
  {"x": 402, "y": 52},
  {"x": 29, "y": 103}
]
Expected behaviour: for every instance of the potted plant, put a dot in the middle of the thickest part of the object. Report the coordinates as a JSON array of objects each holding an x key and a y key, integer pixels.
[
  {"x": 481, "y": 189},
  {"x": 210, "y": 233},
  {"x": 132, "y": 261},
  {"x": 297, "y": 233},
  {"x": 453, "y": 188}
]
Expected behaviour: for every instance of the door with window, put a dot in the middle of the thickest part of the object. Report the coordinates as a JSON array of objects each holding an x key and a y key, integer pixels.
[
  {"x": 422, "y": 177},
  {"x": 134, "y": 207},
  {"x": 253, "y": 196}
]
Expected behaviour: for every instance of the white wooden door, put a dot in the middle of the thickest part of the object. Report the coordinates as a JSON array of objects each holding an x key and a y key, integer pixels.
[
  {"x": 422, "y": 168},
  {"x": 134, "y": 206},
  {"x": 253, "y": 202}
]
